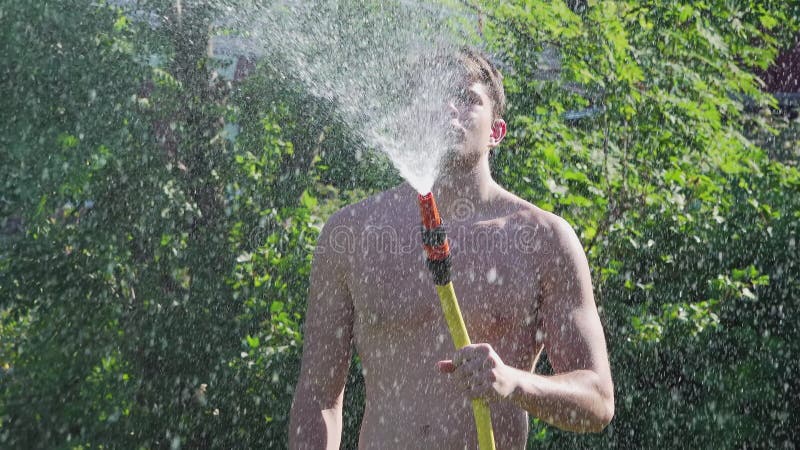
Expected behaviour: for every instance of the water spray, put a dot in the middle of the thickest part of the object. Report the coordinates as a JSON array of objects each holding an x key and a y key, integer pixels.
[{"x": 437, "y": 248}]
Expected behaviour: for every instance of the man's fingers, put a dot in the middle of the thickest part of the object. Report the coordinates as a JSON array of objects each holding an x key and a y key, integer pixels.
[
  {"x": 478, "y": 363},
  {"x": 472, "y": 368},
  {"x": 446, "y": 366},
  {"x": 470, "y": 355}
]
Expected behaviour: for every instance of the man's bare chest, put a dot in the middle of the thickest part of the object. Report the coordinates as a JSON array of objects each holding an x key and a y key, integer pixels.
[{"x": 496, "y": 283}]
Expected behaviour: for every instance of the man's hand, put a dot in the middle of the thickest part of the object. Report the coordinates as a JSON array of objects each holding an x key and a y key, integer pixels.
[{"x": 480, "y": 373}]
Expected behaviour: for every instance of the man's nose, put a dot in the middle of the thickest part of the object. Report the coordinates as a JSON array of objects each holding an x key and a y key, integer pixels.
[{"x": 454, "y": 112}]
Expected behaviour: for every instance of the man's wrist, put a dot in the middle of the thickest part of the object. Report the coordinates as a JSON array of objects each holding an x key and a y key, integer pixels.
[
  {"x": 522, "y": 392},
  {"x": 513, "y": 384}
]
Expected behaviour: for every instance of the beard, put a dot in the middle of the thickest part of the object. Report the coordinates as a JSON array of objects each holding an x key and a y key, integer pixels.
[
  {"x": 462, "y": 153},
  {"x": 460, "y": 157}
]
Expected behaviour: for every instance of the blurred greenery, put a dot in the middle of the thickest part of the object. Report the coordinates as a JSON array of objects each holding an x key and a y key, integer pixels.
[{"x": 157, "y": 220}]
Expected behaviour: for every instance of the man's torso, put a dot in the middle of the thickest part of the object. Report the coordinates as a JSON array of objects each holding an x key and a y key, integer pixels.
[{"x": 399, "y": 329}]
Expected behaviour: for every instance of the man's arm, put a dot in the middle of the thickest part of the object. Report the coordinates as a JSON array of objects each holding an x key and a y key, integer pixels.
[
  {"x": 580, "y": 395},
  {"x": 316, "y": 416}
]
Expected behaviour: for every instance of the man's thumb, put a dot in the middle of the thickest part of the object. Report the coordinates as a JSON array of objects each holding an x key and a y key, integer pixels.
[{"x": 446, "y": 366}]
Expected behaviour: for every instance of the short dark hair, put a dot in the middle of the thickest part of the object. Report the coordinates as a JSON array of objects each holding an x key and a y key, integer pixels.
[{"x": 479, "y": 68}]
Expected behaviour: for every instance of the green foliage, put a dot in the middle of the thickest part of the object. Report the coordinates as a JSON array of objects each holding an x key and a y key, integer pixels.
[
  {"x": 154, "y": 258},
  {"x": 132, "y": 314}
]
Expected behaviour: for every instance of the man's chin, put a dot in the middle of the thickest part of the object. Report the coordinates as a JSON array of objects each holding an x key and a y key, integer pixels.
[{"x": 459, "y": 157}]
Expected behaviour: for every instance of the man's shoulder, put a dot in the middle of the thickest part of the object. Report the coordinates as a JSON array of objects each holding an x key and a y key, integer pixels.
[
  {"x": 545, "y": 224},
  {"x": 526, "y": 213}
]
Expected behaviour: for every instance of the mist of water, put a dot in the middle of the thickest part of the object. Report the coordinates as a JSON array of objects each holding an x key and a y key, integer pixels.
[{"x": 387, "y": 67}]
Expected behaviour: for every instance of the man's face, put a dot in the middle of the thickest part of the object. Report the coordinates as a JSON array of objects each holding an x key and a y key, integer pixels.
[{"x": 474, "y": 132}]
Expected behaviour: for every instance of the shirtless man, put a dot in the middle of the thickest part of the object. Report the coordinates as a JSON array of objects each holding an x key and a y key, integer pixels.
[{"x": 523, "y": 285}]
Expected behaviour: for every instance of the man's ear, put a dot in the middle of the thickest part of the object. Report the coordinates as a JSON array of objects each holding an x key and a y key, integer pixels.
[{"x": 498, "y": 132}]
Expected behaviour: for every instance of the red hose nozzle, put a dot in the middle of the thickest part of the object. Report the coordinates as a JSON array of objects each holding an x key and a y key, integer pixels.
[
  {"x": 429, "y": 211},
  {"x": 434, "y": 239}
]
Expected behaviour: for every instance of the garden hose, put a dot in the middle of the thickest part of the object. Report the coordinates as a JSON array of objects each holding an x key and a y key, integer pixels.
[{"x": 437, "y": 248}]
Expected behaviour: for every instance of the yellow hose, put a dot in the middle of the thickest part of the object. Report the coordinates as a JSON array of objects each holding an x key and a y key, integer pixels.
[{"x": 455, "y": 322}]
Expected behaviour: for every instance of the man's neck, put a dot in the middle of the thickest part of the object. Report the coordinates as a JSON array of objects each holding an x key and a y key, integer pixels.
[{"x": 462, "y": 192}]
